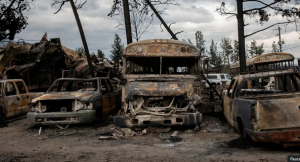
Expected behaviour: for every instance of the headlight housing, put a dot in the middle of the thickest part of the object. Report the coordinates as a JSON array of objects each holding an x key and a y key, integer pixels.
[
  {"x": 80, "y": 105},
  {"x": 37, "y": 107}
]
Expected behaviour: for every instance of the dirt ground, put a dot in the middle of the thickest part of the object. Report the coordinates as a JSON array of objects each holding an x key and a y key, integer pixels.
[{"x": 212, "y": 142}]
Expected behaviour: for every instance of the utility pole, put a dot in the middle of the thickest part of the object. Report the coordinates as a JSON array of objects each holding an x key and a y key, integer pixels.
[
  {"x": 280, "y": 42},
  {"x": 127, "y": 21},
  {"x": 87, "y": 53},
  {"x": 242, "y": 51},
  {"x": 162, "y": 20}
]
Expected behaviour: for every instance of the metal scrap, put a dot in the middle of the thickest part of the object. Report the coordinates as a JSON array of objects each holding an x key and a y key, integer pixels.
[{"x": 39, "y": 64}]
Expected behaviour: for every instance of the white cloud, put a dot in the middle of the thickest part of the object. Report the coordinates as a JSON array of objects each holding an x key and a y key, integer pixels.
[{"x": 190, "y": 16}]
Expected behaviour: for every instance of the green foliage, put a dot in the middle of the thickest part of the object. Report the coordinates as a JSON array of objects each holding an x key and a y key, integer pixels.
[
  {"x": 226, "y": 50},
  {"x": 214, "y": 57},
  {"x": 80, "y": 50},
  {"x": 235, "y": 55},
  {"x": 200, "y": 42},
  {"x": 117, "y": 48},
  {"x": 274, "y": 47},
  {"x": 100, "y": 54},
  {"x": 255, "y": 50}
]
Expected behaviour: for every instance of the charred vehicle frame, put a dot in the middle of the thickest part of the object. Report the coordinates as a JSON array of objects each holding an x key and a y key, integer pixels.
[
  {"x": 264, "y": 104},
  {"x": 74, "y": 101},
  {"x": 14, "y": 98},
  {"x": 161, "y": 84}
]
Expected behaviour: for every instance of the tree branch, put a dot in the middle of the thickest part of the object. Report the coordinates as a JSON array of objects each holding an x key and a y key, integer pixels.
[
  {"x": 266, "y": 6},
  {"x": 268, "y": 28},
  {"x": 62, "y": 2}
]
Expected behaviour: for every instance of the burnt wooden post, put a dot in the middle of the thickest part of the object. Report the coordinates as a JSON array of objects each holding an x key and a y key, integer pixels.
[
  {"x": 87, "y": 53},
  {"x": 242, "y": 52},
  {"x": 127, "y": 21},
  {"x": 162, "y": 20}
]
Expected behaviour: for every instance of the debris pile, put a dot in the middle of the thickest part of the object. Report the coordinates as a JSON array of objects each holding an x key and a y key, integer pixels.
[
  {"x": 120, "y": 133},
  {"x": 39, "y": 64}
]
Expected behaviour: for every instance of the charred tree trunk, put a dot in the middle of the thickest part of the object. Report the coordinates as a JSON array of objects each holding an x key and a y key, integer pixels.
[
  {"x": 161, "y": 20},
  {"x": 242, "y": 51},
  {"x": 127, "y": 21},
  {"x": 87, "y": 53}
]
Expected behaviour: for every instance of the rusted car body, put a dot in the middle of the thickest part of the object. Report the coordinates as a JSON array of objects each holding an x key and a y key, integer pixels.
[
  {"x": 74, "y": 101},
  {"x": 264, "y": 104},
  {"x": 14, "y": 98},
  {"x": 161, "y": 83}
]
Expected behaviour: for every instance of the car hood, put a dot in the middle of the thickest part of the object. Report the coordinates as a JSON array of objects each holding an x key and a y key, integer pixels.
[{"x": 83, "y": 96}]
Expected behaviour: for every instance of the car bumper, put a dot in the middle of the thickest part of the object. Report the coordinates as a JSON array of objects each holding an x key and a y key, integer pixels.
[
  {"x": 53, "y": 118},
  {"x": 282, "y": 136},
  {"x": 155, "y": 120}
]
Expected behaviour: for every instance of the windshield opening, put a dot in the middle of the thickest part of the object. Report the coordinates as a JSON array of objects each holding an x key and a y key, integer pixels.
[
  {"x": 270, "y": 85},
  {"x": 164, "y": 65},
  {"x": 73, "y": 86}
]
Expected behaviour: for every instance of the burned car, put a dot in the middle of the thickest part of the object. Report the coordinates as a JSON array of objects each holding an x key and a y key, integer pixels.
[
  {"x": 264, "y": 104},
  {"x": 14, "y": 98},
  {"x": 74, "y": 101},
  {"x": 160, "y": 78}
]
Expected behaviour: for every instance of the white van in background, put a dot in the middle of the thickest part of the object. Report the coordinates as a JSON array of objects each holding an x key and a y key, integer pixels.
[{"x": 216, "y": 79}]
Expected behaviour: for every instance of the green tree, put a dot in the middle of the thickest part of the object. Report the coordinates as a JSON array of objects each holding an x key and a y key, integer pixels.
[
  {"x": 274, "y": 47},
  {"x": 226, "y": 50},
  {"x": 255, "y": 50},
  {"x": 117, "y": 48},
  {"x": 100, "y": 54},
  {"x": 214, "y": 57},
  {"x": 260, "y": 11},
  {"x": 80, "y": 50},
  {"x": 200, "y": 42},
  {"x": 235, "y": 55}
]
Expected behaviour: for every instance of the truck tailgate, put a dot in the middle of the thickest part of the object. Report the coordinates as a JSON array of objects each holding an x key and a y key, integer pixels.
[{"x": 278, "y": 113}]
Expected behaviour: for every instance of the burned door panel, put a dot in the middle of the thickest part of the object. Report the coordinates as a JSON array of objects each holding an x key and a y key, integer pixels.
[
  {"x": 24, "y": 96},
  {"x": 107, "y": 97},
  {"x": 11, "y": 100},
  {"x": 242, "y": 114}
]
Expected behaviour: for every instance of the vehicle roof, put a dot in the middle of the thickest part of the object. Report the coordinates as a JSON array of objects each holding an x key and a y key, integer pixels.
[
  {"x": 265, "y": 74},
  {"x": 265, "y": 58},
  {"x": 83, "y": 79},
  {"x": 161, "y": 47}
]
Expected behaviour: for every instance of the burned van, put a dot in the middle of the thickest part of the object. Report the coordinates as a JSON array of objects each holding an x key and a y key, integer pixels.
[{"x": 161, "y": 86}]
